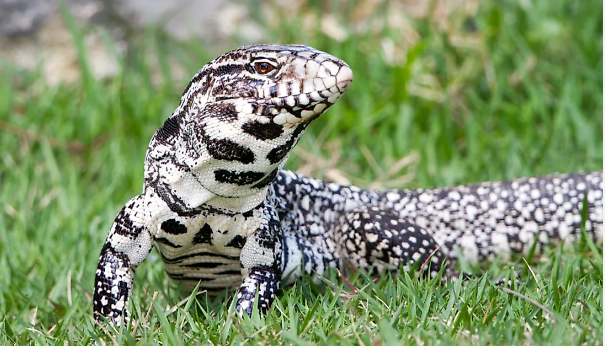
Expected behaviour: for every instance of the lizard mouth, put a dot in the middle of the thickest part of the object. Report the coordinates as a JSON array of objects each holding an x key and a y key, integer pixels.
[
  {"x": 309, "y": 100},
  {"x": 296, "y": 101}
]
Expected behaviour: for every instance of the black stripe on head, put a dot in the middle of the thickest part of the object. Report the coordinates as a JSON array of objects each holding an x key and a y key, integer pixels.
[
  {"x": 262, "y": 131},
  {"x": 229, "y": 69},
  {"x": 219, "y": 92},
  {"x": 222, "y": 111},
  {"x": 277, "y": 154},
  {"x": 237, "y": 178},
  {"x": 226, "y": 149},
  {"x": 266, "y": 180},
  {"x": 172, "y": 226}
]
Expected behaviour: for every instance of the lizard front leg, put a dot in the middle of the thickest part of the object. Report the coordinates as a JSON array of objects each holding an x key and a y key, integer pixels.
[
  {"x": 127, "y": 245},
  {"x": 261, "y": 262}
]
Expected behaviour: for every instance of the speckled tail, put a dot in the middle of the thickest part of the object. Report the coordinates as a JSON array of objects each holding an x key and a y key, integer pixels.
[{"x": 500, "y": 218}]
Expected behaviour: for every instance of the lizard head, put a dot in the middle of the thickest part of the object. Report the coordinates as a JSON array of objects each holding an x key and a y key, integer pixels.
[
  {"x": 270, "y": 84},
  {"x": 285, "y": 85},
  {"x": 243, "y": 112}
]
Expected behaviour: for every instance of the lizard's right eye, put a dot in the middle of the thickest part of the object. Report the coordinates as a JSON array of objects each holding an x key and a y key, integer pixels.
[{"x": 263, "y": 67}]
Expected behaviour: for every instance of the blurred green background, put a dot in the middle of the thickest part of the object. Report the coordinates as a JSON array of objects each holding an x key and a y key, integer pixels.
[{"x": 456, "y": 94}]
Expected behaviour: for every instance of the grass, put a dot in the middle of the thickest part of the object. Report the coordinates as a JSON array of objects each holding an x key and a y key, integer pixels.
[{"x": 513, "y": 90}]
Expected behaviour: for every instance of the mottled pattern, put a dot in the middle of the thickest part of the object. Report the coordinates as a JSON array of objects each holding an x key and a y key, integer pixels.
[
  {"x": 386, "y": 229},
  {"x": 222, "y": 213}
]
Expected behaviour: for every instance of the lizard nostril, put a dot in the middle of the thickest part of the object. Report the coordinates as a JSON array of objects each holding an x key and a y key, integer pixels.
[
  {"x": 344, "y": 78},
  {"x": 345, "y": 74}
]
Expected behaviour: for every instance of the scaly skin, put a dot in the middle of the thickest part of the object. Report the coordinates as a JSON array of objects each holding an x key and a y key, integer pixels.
[{"x": 221, "y": 211}]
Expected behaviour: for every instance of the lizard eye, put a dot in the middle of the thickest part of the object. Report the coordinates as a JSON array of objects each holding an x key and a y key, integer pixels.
[{"x": 263, "y": 67}]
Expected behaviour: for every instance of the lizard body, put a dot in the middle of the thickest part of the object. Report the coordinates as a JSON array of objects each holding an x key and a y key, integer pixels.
[{"x": 222, "y": 212}]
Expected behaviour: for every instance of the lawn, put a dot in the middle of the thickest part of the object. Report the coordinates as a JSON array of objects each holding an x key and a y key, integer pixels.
[{"x": 512, "y": 90}]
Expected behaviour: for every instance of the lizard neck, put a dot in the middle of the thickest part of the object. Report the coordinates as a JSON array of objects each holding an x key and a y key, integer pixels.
[{"x": 226, "y": 172}]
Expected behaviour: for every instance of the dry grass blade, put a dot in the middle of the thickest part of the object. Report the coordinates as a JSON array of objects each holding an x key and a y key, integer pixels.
[
  {"x": 372, "y": 161},
  {"x": 385, "y": 178},
  {"x": 347, "y": 282},
  {"x": 532, "y": 272},
  {"x": 427, "y": 260},
  {"x": 550, "y": 313}
]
